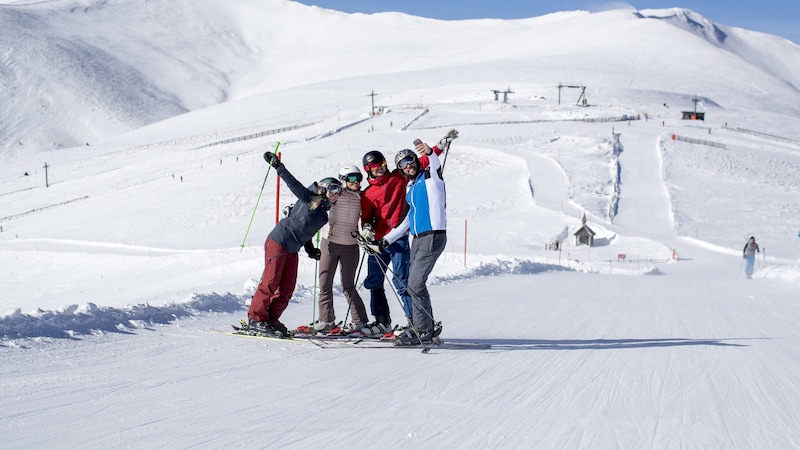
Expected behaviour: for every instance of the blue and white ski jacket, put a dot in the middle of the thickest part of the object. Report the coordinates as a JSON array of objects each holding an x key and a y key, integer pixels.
[{"x": 426, "y": 200}]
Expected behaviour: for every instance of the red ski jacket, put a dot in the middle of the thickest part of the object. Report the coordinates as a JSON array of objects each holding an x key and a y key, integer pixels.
[{"x": 383, "y": 202}]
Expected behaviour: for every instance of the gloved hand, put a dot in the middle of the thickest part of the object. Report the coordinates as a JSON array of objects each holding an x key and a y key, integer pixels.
[
  {"x": 447, "y": 139},
  {"x": 367, "y": 232},
  {"x": 311, "y": 251},
  {"x": 314, "y": 253},
  {"x": 376, "y": 247},
  {"x": 272, "y": 159}
]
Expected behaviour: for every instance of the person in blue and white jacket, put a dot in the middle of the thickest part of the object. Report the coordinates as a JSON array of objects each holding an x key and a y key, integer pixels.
[{"x": 426, "y": 220}]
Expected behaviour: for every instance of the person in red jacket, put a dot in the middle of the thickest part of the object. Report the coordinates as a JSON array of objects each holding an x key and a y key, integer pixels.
[{"x": 382, "y": 204}]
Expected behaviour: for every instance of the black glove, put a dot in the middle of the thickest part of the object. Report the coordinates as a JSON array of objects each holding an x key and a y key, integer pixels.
[
  {"x": 272, "y": 159},
  {"x": 314, "y": 253},
  {"x": 445, "y": 141},
  {"x": 311, "y": 251}
]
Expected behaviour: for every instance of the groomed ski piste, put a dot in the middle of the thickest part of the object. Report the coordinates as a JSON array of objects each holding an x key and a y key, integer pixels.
[{"x": 121, "y": 277}]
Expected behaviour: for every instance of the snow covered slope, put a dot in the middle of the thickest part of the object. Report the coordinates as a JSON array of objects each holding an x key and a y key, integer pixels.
[{"x": 118, "y": 277}]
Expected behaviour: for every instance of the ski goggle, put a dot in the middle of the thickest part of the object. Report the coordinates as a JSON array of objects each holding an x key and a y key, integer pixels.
[
  {"x": 353, "y": 178},
  {"x": 375, "y": 165},
  {"x": 334, "y": 189},
  {"x": 405, "y": 162}
]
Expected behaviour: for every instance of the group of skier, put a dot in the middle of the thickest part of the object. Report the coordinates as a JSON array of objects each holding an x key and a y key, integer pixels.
[{"x": 407, "y": 200}]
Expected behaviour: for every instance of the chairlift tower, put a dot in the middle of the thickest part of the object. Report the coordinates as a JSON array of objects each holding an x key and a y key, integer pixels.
[
  {"x": 505, "y": 94},
  {"x": 581, "y": 100}
]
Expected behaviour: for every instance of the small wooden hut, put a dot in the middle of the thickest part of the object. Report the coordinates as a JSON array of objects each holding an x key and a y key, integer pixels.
[{"x": 584, "y": 235}]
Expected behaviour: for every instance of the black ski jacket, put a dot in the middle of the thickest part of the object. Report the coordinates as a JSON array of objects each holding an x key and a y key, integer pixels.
[{"x": 308, "y": 215}]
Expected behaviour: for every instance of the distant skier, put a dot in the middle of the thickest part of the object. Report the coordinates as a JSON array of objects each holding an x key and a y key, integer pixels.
[{"x": 749, "y": 255}]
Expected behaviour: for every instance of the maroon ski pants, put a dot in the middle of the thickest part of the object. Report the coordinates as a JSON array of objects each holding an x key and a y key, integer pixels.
[{"x": 276, "y": 286}]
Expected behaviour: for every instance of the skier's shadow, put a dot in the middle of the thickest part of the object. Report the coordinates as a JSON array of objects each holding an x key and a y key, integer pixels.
[{"x": 596, "y": 344}]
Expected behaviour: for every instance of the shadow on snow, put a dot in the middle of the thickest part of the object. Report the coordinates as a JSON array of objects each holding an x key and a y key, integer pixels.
[{"x": 596, "y": 344}]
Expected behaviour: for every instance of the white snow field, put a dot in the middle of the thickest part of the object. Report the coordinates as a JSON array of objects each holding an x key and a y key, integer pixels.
[{"x": 125, "y": 260}]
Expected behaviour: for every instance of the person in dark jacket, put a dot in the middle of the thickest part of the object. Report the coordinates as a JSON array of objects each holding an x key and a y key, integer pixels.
[{"x": 293, "y": 232}]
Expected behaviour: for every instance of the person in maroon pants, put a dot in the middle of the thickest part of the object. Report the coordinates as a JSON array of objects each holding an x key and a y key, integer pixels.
[{"x": 307, "y": 216}]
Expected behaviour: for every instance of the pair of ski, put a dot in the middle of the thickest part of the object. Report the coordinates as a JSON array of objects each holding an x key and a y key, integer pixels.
[
  {"x": 344, "y": 341},
  {"x": 297, "y": 335},
  {"x": 336, "y": 332}
]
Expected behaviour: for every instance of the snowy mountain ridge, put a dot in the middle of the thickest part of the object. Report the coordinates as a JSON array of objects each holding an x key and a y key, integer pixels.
[{"x": 66, "y": 65}]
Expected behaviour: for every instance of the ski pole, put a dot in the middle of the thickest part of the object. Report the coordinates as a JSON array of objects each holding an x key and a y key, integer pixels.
[
  {"x": 451, "y": 134},
  {"x": 740, "y": 269},
  {"x": 314, "y": 306},
  {"x": 241, "y": 247},
  {"x": 444, "y": 160},
  {"x": 385, "y": 269}
]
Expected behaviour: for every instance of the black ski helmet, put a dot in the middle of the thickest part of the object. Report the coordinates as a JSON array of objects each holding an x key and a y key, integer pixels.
[{"x": 372, "y": 157}]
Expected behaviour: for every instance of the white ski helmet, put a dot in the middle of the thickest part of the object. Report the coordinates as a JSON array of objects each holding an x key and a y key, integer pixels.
[{"x": 350, "y": 171}]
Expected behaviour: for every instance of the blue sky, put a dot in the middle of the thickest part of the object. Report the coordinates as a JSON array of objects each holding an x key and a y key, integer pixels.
[{"x": 779, "y": 17}]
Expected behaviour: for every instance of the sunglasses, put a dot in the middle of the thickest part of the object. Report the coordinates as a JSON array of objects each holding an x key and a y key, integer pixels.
[
  {"x": 353, "y": 178},
  {"x": 375, "y": 165},
  {"x": 405, "y": 162},
  {"x": 334, "y": 189}
]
